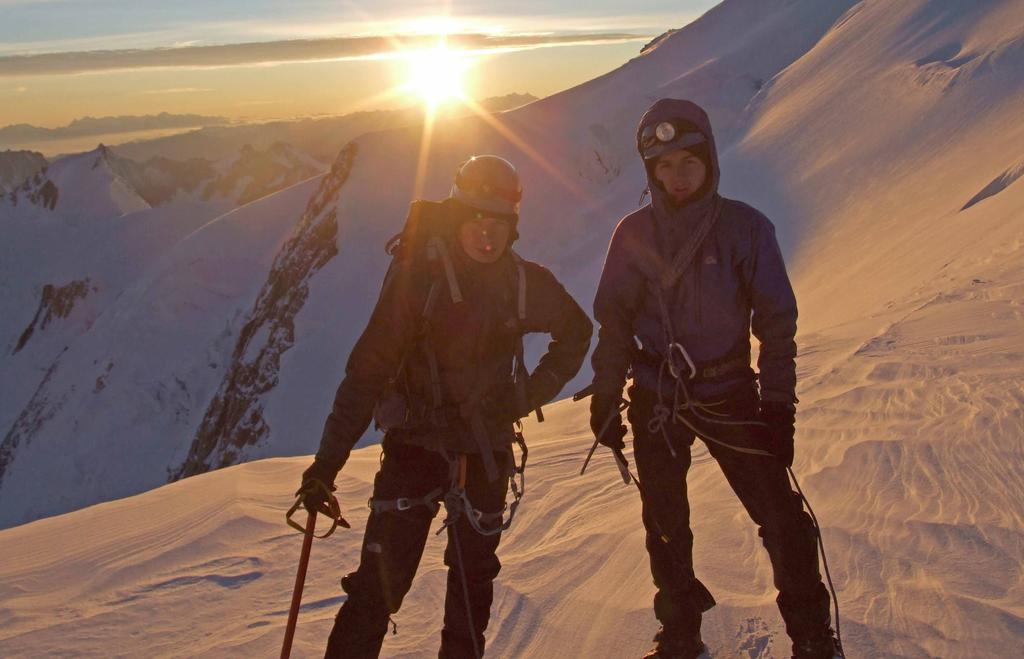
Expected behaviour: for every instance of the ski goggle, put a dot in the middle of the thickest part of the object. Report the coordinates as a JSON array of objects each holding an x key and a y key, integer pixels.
[
  {"x": 471, "y": 211},
  {"x": 481, "y": 226},
  {"x": 666, "y": 136},
  {"x": 512, "y": 195}
]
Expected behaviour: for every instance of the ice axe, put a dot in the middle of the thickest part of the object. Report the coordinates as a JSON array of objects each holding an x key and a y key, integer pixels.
[
  {"x": 330, "y": 508},
  {"x": 620, "y": 459}
]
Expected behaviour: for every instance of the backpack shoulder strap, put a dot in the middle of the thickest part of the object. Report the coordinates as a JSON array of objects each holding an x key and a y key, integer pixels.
[
  {"x": 521, "y": 375},
  {"x": 521, "y": 288},
  {"x": 438, "y": 251}
]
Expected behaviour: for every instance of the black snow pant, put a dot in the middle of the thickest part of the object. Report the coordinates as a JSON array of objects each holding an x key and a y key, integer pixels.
[
  {"x": 393, "y": 545},
  {"x": 762, "y": 485}
]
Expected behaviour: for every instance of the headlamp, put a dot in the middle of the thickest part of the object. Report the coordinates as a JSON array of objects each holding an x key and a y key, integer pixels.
[{"x": 666, "y": 136}]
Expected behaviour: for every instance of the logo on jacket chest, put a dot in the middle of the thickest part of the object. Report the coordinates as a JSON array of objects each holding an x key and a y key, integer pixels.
[{"x": 710, "y": 259}]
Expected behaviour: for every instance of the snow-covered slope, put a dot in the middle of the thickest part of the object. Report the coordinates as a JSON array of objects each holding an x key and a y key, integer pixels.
[
  {"x": 884, "y": 141},
  {"x": 148, "y": 364},
  {"x": 207, "y": 563},
  {"x": 83, "y": 188},
  {"x": 70, "y": 250},
  {"x": 574, "y": 582}
]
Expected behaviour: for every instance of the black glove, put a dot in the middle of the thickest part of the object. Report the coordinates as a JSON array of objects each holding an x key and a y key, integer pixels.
[
  {"x": 314, "y": 497},
  {"x": 502, "y": 405},
  {"x": 781, "y": 419},
  {"x": 605, "y": 416},
  {"x": 542, "y": 387}
]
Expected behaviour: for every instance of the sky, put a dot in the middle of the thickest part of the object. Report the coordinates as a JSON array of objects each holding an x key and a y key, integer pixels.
[{"x": 259, "y": 59}]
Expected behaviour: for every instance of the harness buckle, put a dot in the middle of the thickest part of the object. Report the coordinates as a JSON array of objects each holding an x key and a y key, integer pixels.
[
  {"x": 402, "y": 503},
  {"x": 676, "y": 348}
]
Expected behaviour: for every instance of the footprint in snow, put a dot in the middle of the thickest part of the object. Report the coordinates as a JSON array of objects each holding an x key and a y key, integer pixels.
[{"x": 755, "y": 639}]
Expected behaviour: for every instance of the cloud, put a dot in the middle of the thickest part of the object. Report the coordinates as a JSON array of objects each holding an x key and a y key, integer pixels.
[
  {"x": 246, "y": 104},
  {"x": 274, "y": 52},
  {"x": 175, "y": 90}
]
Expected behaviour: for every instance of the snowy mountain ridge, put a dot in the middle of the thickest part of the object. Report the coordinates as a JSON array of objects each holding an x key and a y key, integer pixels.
[{"x": 135, "y": 186}]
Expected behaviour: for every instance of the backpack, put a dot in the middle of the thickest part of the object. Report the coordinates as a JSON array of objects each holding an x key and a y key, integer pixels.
[{"x": 425, "y": 238}]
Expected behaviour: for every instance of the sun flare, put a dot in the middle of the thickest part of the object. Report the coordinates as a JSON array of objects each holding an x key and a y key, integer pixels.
[{"x": 437, "y": 74}]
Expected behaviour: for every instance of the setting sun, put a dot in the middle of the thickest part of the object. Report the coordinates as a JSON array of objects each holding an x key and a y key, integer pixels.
[{"x": 437, "y": 74}]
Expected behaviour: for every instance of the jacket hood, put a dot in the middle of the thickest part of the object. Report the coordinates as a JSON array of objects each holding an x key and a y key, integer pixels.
[{"x": 668, "y": 109}]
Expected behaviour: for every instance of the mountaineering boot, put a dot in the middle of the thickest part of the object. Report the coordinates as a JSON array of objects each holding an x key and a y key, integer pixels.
[
  {"x": 821, "y": 646},
  {"x": 672, "y": 646}
]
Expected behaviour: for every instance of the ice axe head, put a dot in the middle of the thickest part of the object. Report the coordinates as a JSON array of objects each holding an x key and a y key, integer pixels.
[{"x": 329, "y": 507}]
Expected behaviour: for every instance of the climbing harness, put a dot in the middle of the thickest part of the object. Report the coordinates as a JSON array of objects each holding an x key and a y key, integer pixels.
[
  {"x": 458, "y": 505},
  {"x": 456, "y": 500}
]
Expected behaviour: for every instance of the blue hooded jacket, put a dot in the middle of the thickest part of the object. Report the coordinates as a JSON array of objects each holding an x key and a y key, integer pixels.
[{"x": 735, "y": 285}]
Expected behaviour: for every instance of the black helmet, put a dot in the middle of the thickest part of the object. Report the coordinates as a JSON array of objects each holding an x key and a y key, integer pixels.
[{"x": 489, "y": 184}]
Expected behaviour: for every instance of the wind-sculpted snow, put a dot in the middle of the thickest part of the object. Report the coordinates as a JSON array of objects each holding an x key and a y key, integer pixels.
[
  {"x": 234, "y": 418},
  {"x": 922, "y": 521},
  {"x": 574, "y": 581}
]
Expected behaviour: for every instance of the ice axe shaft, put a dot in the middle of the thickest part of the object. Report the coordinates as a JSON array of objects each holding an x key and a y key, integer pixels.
[
  {"x": 583, "y": 393},
  {"x": 623, "y": 404},
  {"x": 300, "y": 580},
  {"x": 623, "y": 465}
]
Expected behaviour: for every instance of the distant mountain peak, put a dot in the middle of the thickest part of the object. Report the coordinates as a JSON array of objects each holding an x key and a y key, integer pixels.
[
  {"x": 85, "y": 126},
  {"x": 102, "y": 156}
]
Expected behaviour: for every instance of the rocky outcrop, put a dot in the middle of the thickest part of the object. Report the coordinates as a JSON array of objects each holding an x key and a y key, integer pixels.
[
  {"x": 46, "y": 195},
  {"x": 658, "y": 40},
  {"x": 159, "y": 180},
  {"x": 37, "y": 189},
  {"x": 599, "y": 162},
  {"x": 18, "y": 166},
  {"x": 40, "y": 409},
  {"x": 234, "y": 418},
  {"x": 254, "y": 173},
  {"x": 257, "y": 173},
  {"x": 55, "y": 302},
  {"x": 89, "y": 186}
]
